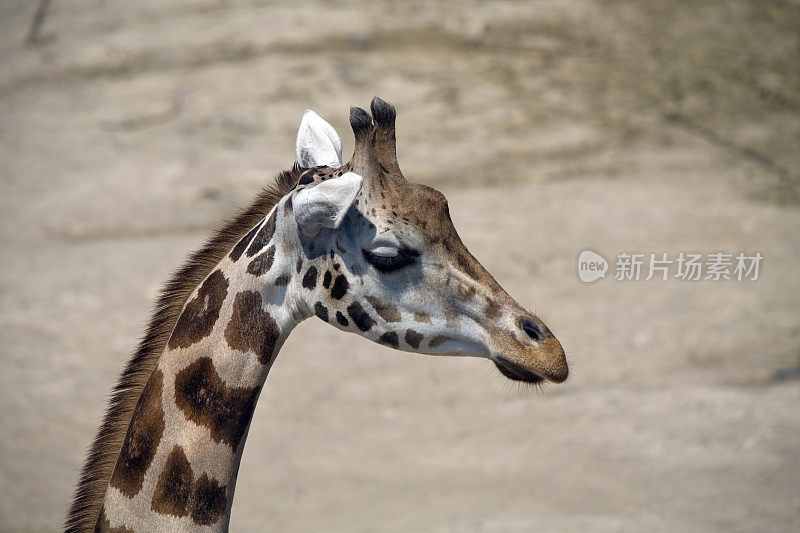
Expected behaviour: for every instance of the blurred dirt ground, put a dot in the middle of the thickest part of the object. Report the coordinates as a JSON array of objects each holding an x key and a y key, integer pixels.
[{"x": 129, "y": 129}]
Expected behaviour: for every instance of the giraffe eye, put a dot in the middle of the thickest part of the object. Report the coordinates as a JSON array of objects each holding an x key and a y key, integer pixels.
[{"x": 386, "y": 259}]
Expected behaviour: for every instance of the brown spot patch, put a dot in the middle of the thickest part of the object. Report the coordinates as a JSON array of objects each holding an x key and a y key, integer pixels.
[
  {"x": 261, "y": 264},
  {"x": 310, "y": 279},
  {"x": 341, "y": 319},
  {"x": 413, "y": 338},
  {"x": 389, "y": 339},
  {"x": 340, "y": 287},
  {"x": 241, "y": 246},
  {"x": 208, "y": 501},
  {"x": 264, "y": 235},
  {"x": 201, "y": 313},
  {"x": 387, "y": 311},
  {"x": 438, "y": 340},
  {"x": 141, "y": 441},
  {"x": 177, "y": 493},
  {"x": 422, "y": 317},
  {"x": 174, "y": 485},
  {"x": 492, "y": 309},
  {"x": 469, "y": 265},
  {"x": 205, "y": 400},
  {"x": 306, "y": 178},
  {"x": 466, "y": 292},
  {"x": 282, "y": 280},
  {"x": 321, "y": 311},
  {"x": 252, "y": 328},
  {"x": 360, "y": 317}
]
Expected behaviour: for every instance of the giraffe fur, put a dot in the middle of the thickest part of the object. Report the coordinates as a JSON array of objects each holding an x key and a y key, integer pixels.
[{"x": 354, "y": 244}]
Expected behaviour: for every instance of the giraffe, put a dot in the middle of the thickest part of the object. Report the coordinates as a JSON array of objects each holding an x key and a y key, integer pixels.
[{"x": 354, "y": 244}]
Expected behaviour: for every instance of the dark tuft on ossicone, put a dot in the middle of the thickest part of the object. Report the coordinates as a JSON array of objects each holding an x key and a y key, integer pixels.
[
  {"x": 383, "y": 112},
  {"x": 360, "y": 121}
]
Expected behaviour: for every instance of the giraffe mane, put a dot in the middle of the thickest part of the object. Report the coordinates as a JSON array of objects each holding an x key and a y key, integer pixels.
[{"x": 105, "y": 448}]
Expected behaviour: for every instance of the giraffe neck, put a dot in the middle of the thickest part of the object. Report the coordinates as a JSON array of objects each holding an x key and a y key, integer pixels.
[{"x": 178, "y": 465}]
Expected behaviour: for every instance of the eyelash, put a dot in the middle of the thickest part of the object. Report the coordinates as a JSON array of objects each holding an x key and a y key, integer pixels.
[{"x": 385, "y": 264}]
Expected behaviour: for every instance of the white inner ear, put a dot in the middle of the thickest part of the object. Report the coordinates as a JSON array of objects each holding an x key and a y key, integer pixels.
[
  {"x": 317, "y": 143},
  {"x": 326, "y": 204}
]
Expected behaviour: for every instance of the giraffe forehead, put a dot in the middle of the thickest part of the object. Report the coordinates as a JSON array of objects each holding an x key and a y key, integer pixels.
[{"x": 405, "y": 206}]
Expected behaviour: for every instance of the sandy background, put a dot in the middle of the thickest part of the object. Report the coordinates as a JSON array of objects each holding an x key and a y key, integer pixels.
[{"x": 128, "y": 130}]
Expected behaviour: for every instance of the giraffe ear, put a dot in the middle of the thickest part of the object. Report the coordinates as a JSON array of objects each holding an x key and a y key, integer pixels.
[
  {"x": 317, "y": 143},
  {"x": 325, "y": 205}
]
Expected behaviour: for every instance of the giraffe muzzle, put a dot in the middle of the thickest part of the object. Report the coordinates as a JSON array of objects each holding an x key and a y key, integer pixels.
[
  {"x": 533, "y": 355},
  {"x": 545, "y": 362}
]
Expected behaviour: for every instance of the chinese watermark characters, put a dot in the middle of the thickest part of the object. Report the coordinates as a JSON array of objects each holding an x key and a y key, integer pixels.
[{"x": 717, "y": 266}]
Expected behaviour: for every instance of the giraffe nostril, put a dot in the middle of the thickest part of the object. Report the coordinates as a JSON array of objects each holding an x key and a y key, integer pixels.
[{"x": 531, "y": 329}]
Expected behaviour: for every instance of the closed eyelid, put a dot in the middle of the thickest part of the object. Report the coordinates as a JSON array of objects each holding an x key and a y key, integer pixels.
[
  {"x": 390, "y": 263},
  {"x": 398, "y": 248},
  {"x": 387, "y": 251},
  {"x": 391, "y": 242}
]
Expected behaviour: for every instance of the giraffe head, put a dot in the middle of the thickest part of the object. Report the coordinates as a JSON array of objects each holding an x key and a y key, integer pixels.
[{"x": 382, "y": 258}]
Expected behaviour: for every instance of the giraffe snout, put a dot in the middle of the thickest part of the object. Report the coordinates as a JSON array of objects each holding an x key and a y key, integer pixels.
[
  {"x": 536, "y": 354},
  {"x": 554, "y": 365}
]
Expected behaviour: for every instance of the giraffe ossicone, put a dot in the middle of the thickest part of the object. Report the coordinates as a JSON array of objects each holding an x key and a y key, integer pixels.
[{"x": 354, "y": 244}]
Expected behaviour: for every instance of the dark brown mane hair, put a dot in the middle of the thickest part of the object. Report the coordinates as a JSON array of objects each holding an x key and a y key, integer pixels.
[{"x": 105, "y": 448}]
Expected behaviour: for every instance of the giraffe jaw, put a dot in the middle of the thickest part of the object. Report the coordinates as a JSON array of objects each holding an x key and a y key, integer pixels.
[{"x": 516, "y": 372}]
